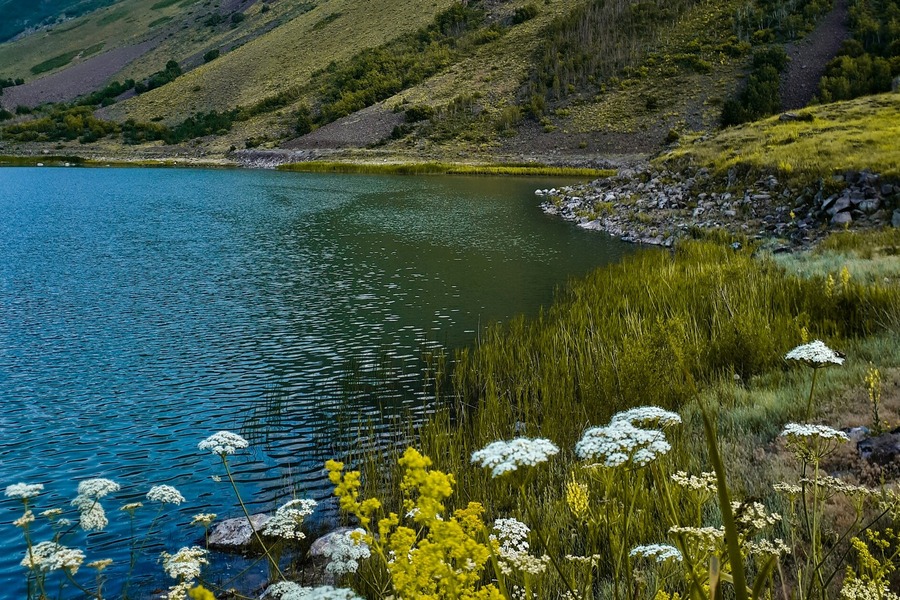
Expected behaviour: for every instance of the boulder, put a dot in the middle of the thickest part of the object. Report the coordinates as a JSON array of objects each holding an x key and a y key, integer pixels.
[
  {"x": 235, "y": 535},
  {"x": 326, "y": 545},
  {"x": 895, "y": 219},
  {"x": 841, "y": 204},
  {"x": 881, "y": 449},
  {"x": 841, "y": 218}
]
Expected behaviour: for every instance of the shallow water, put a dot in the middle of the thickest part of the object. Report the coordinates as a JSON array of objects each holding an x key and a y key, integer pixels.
[{"x": 142, "y": 310}]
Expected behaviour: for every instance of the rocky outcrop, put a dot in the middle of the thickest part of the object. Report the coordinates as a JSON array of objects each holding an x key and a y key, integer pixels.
[{"x": 651, "y": 206}]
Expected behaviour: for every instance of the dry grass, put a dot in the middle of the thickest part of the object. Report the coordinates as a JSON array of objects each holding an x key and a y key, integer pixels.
[
  {"x": 283, "y": 58},
  {"x": 855, "y": 135}
]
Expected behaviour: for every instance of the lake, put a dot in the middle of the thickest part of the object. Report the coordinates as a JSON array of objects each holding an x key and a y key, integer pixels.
[{"x": 142, "y": 310}]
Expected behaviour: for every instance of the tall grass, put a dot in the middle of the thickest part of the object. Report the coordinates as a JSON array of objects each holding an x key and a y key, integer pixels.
[
  {"x": 640, "y": 333},
  {"x": 436, "y": 168}
]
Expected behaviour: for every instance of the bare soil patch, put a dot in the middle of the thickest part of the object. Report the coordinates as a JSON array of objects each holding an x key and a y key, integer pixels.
[
  {"x": 810, "y": 56},
  {"x": 79, "y": 79},
  {"x": 363, "y": 128}
]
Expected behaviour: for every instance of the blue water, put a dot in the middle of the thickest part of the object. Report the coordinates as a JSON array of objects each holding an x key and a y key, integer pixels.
[{"x": 142, "y": 310}]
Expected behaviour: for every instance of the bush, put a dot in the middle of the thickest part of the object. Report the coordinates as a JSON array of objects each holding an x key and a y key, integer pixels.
[
  {"x": 419, "y": 112},
  {"x": 761, "y": 97},
  {"x": 848, "y": 77},
  {"x": 524, "y": 13},
  {"x": 211, "y": 55}
]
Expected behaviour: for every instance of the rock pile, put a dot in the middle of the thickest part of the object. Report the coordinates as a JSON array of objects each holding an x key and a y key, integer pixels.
[{"x": 650, "y": 206}]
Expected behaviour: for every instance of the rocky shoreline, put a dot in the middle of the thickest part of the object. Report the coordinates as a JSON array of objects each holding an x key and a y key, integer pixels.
[{"x": 657, "y": 206}]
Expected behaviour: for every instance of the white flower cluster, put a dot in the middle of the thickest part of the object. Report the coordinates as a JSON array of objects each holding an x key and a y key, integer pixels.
[
  {"x": 344, "y": 555},
  {"x": 592, "y": 560},
  {"x": 644, "y": 416},
  {"x": 621, "y": 442},
  {"x": 97, "y": 488},
  {"x": 184, "y": 564},
  {"x": 165, "y": 494},
  {"x": 753, "y": 516},
  {"x": 800, "y": 430},
  {"x": 705, "y": 482},
  {"x": 513, "y": 548},
  {"x": 223, "y": 442},
  {"x": 776, "y": 547},
  {"x": 24, "y": 491},
  {"x": 288, "y": 590},
  {"x": 787, "y": 488},
  {"x": 204, "y": 519},
  {"x": 100, "y": 564},
  {"x": 706, "y": 538},
  {"x": 288, "y": 519},
  {"x": 815, "y": 354},
  {"x": 92, "y": 516},
  {"x": 660, "y": 552},
  {"x": 25, "y": 519},
  {"x": 859, "y": 589},
  {"x": 131, "y": 506},
  {"x": 505, "y": 457},
  {"x": 836, "y": 485},
  {"x": 50, "y": 556}
]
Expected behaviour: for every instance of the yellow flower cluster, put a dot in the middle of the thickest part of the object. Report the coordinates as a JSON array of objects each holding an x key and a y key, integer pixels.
[{"x": 443, "y": 558}]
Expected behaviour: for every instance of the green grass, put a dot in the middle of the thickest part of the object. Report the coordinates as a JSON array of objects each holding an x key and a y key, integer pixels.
[
  {"x": 638, "y": 333},
  {"x": 434, "y": 168},
  {"x": 159, "y": 21},
  {"x": 164, "y": 4},
  {"x": 854, "y": 135},
  {"x": 54, "y": 63}
]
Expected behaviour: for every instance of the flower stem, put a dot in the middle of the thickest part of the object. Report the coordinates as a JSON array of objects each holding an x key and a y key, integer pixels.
[
  {"x": 812, "y": 389},
  {"x": 272, "y": 561}
]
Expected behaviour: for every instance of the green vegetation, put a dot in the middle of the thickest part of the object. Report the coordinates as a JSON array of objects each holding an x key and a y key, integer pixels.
[
  {"x": 160, "y": 78},
  {"x": 866, "y": 63},
  {"x": 434, "y": 168},
  {"x": 18, "y": 15},
  {"x": 855, "y": 135},
  {"x": 55, "y": 62},
  {"x": 107, "y": 95},
  {"x": 159, "y": 21},
  {"x": 163, "y": 4},
  {"x": 62, "y": 124},
  {"x": 702, "y": 331},
  {"x": 761, "y": 97}
]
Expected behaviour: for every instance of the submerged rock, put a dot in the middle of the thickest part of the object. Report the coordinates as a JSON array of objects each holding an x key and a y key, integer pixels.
[{"x": 236, "y": 535}]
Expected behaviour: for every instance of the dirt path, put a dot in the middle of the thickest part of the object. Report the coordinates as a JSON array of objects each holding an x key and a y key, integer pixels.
[{"x": 810, "y": 55}]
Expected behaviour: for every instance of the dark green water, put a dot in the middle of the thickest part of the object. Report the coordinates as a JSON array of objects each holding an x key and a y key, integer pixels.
[{"x": 142, "y": 310}]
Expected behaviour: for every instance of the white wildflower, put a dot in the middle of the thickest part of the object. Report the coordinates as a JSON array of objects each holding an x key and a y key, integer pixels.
[
  {"x": 815, "y": 354},
  {"x": 513, "y": 548},
  {"x": 787, "y": 488},
  {"x": 288, "y": 519},
  {"x": 859, "y": 589},
  {"x": 165, "y": 494},
  {"x": 131, "y": 506},
  {"x": 204, "y": 519},
  {"x": 100, "y": 564},
  {"x": 621, "y": 442},
  {"x": 223, "y": 442},
  {"x": 647, "y": 415},
  {"x": 506, "y": 457},
  {"x": 288, "y": 590},
  {"x": 92, "y": 516},
  {"x": 705, "y": 538},
  {"x": 592, "y": 560},
  {"x": 753, "y": 515},
  {"x": 64, "y": 559},
  {"x": 97, "y": 488},
  {"x": 705, "y": 482},
  {"x": 346, "y": 552},
  {"x": 25, "y": 519},
  {"x": 776, "y": 547},
  {"x": 24, "y": 490},
  {"x": 52, "y": 513},
  {"x": 798, "y": 430},
  {"x": 836, "y": 485},
  {"x": 49, "y": 556},
  {"x": 184, "y": 564},
  {"x": 180, "y": 591},
  {"x": 660, "y": 552},
  {"x": 37, "y": 554}
]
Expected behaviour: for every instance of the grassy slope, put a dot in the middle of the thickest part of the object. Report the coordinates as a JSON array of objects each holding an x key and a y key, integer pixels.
[
  {"x": 283, "y": 57},
  {"x": 853, "y": 135},
  {"x": 124, "y": 23}
]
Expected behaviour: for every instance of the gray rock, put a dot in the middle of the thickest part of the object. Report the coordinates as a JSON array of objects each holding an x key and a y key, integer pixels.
[
  {"x": 881, "y": 449},
  {"x": 841, "y": 204},
  {"x": 887, "y": 189},
  {"x": 324, "y": 546},
  {"x": 829, "y": 202},
  {"x": 870, "y": 206},
  {"x": 895, "y": 219},
  {"x": 235, "y": 535},
  {"x": 856, "y": 434},
  {"x": 841, "y": 218}
]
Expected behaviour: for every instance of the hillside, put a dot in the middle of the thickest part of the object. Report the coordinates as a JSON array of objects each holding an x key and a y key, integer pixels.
[{"x": 560, "y": 82}]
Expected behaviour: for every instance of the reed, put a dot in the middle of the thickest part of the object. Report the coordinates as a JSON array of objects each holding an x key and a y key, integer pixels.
[{"x": 439, "y": 168}]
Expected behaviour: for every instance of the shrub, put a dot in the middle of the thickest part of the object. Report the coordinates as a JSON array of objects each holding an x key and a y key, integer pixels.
[
  {"x": 524, "y": 13},
  {"x": 211, "y": 55}
]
